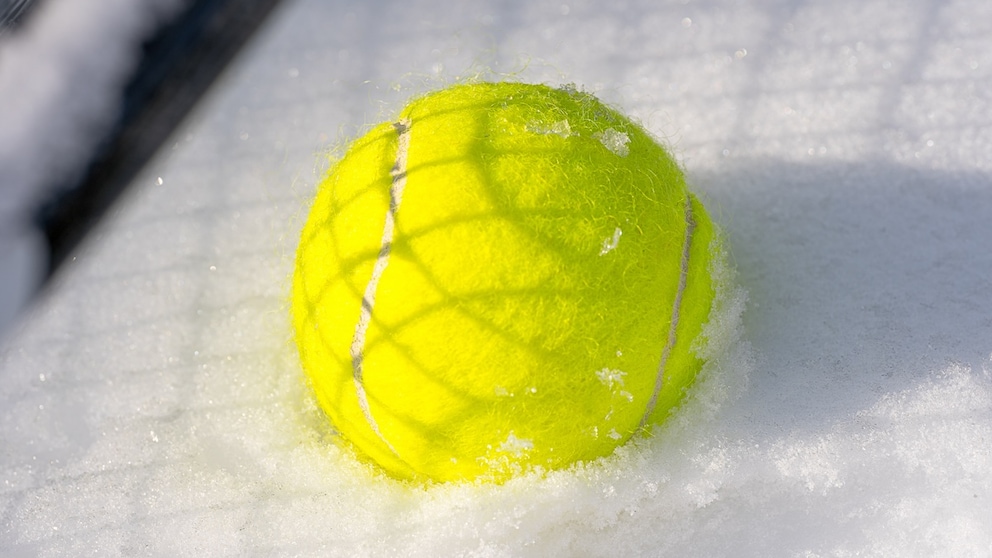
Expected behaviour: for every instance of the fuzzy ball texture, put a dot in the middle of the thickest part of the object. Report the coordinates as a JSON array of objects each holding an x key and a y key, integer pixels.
[{"x": 508, "y": 277}]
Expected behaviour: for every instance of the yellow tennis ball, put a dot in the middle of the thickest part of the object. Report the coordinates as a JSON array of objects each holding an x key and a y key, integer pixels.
[{"x": 507, "y": 277}]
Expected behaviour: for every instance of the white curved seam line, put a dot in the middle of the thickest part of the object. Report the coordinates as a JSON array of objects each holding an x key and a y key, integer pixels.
[
  {"x": 398, "y": 174},
  {"x": 690, "y": 227}
]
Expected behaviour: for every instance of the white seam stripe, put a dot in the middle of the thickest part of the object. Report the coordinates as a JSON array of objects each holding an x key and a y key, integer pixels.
[
  {"x": 690, "y": 226},
  {"x": 398, "y": 174}
]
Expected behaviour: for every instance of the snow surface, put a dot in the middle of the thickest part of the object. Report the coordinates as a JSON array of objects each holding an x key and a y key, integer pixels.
[{"x": 152, "y": 403}]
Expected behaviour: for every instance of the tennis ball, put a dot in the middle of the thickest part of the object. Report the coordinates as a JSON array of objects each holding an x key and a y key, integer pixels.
[{"x": 506, "y": 278}]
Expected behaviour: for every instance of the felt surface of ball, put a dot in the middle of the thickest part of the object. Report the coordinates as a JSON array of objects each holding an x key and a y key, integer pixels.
[{"x": 506, "y": 277}]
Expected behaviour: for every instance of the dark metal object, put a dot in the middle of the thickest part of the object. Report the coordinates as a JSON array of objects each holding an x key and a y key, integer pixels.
[
  {"x": 178, "y": 65},
  {"x": 14, "y": 12}
]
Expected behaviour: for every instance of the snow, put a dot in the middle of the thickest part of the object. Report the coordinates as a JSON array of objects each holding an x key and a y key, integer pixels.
[{"x": 151, "y": 403}]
